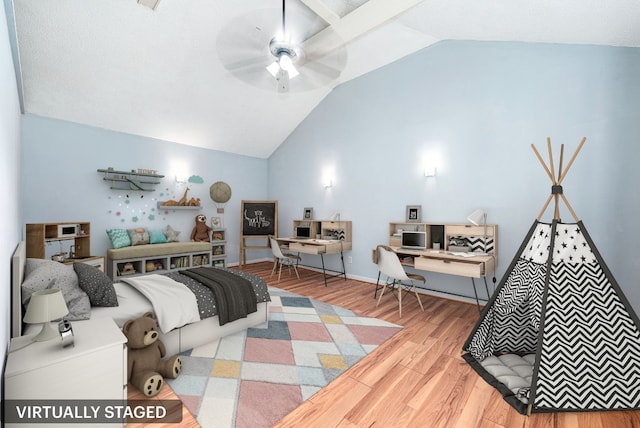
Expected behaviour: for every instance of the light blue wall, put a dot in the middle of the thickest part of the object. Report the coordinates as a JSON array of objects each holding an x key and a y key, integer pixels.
[
  {"x": 474, "y": 108},
  {"x": 10, "y": 225},
  {"x": 61, "y": 182}
]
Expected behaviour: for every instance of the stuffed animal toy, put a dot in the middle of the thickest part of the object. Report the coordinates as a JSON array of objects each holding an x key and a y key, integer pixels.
[
  {"x": 200, "y": 232},
  {"x": 146, "y": 368}
]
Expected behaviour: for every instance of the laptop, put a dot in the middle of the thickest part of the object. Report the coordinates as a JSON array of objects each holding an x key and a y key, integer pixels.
[{"x": 303, "y": 232}]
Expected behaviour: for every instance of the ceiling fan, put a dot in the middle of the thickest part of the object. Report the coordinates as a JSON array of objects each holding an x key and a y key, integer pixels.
[
  {"x": 308, "y": 39},
  {"x": 286, "y": 54},
  {"x": 266, "y": 48}
]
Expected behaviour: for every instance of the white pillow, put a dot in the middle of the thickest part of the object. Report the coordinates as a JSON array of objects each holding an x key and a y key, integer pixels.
[{"x": 41, "y": 274}]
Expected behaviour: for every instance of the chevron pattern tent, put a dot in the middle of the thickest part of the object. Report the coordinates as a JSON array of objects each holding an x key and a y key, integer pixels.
[{"x": 558, "y": 334}]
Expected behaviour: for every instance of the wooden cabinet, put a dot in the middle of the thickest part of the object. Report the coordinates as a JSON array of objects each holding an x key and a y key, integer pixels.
[
  {"x": 395, "y": 230},
  {"x": 219, "y": 247},
  {"x": 463, "y": 249},
  {"x": 443, "y": 262},
  {"x": 326, "y": 237},
  {"x": 95, "y": 368},
  {"x": 40, "y": 234},
  {"x": 95, "y": 261},
  {"x": 452, "y": 237},
  {"x": 324, "y": 230},
  {"x": 143, "y": 265}
]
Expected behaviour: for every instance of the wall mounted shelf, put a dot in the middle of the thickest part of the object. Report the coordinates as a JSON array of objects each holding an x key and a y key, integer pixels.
[
  {"x": 178, "y": 207},
  {"x": 131, "y": 180}
]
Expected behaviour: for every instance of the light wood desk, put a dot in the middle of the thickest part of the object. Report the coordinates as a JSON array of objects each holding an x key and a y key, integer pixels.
[
  {"x": 469, "y": 265},
  {"x": 319, "y": 247}
]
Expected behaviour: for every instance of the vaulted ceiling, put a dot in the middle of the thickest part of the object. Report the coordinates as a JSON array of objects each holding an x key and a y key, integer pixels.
[{"x": 193, "y": 71}]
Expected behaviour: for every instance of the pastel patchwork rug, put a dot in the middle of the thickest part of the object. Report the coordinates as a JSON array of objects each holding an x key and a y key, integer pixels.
[{"x": 254, "y": 378}]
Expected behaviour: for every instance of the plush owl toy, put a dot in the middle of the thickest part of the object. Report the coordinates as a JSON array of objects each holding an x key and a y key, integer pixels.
[{"x": 200, "y": 232}]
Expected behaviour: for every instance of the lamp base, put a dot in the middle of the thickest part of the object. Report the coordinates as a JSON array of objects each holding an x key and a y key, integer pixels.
[{"x": 47, "y": 333}]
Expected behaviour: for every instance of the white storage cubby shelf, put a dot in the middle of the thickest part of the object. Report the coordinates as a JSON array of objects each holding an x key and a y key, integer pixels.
[
  {"x": 218, "y": 248},
  {"x": 157, "y": 264}
]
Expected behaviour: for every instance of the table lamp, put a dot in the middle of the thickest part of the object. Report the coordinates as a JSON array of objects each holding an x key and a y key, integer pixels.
[
  {"x": 44, "y": 307},
  {"x": 478, "y": 217}
]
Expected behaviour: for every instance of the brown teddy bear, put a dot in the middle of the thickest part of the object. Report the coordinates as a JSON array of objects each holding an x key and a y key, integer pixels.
[
  {"x": 146, "y": 368},
  {"x": 200, "y": 232}
]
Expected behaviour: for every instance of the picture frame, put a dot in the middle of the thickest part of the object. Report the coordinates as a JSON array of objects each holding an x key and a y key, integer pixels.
[
  {"x": 414, "y": 213},
  {"x": 307, "y": 214},
  {"x": 216, "y": 222}
]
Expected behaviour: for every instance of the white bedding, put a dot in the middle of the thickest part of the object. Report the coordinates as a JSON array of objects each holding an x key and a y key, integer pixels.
[{"x": 173, "y": 303}]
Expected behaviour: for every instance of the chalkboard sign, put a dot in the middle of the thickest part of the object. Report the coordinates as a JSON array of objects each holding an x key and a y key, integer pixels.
[{"x": 259, "y": 218}]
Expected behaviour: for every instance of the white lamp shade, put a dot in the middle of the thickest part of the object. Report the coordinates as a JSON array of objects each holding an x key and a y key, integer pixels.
[
  {"x": 45, "y": 306},
  {"x": 477, "y": 217}
]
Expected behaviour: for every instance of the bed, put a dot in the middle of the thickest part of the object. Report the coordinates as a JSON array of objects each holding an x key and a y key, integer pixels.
[{"x": 132, "y": 303}]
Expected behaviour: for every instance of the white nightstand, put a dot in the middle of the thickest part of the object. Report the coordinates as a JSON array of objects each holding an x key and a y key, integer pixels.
[{"x": 95, "y": 368}]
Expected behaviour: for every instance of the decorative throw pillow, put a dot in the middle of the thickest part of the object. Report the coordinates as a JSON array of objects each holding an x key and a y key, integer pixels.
[
  {"x": 41, "y": 274},
  {"x": 119, "y": 238},
  {"x": 138, "y": 236},
  {"x": 157, "y": 237},
  {"x": 96, "y": 284},
  {"x": 172, "y": 235}
]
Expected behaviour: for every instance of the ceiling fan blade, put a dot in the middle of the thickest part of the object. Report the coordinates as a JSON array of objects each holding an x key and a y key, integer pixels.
[
  {"x": 283, "y": 80},
  {"x": 257, "y": 62},
  {"x": 327, "y": 71}
]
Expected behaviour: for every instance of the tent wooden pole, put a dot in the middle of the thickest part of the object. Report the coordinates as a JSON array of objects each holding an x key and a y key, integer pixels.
[
  {"x": 561, "y": 158},
  {"x": 546, "y": 204},
  {"x": 544, "y": 165},
  {"x": 573, "y": 213},
  {"x": 564, "y": 174},
  {"x": 556, "y": 193},
  {"x": 552, "y": 168}
]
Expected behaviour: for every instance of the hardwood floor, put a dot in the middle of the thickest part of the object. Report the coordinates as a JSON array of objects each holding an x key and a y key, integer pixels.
[{"x": 417, "y": 378}]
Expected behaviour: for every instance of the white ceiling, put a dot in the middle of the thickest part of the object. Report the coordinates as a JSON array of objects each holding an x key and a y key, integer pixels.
[{"x": 119, "y": 65}]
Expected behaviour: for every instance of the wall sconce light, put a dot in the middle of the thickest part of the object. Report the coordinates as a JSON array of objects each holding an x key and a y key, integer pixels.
[
  {"x": 430, "y": 171},
  {"x": 327, "y": 183},
  {"x": 181, "y": 178}
]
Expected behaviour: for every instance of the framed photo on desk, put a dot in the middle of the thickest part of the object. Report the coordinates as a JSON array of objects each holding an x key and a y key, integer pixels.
[
  {"x": 414, "y": 213},
  {"x": 308, "y": 214}
]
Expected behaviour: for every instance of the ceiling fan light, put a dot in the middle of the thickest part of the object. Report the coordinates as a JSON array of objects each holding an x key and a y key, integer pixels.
[
  {"x": 285, "y": 62},
  {"x": 287, "y": 65},
  {"x": 293, "y": 72},
  {"x": 273, "y": 68}
]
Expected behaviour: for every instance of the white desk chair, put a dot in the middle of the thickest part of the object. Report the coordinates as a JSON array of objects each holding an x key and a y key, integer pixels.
[
  {"x": 280, "y": 259},
  {"x": 397, "y": 278}
]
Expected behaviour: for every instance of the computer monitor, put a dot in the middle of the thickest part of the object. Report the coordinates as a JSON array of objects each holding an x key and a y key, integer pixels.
[
  {"x": 303, "y": 232},
  {"x": 413, "y": 240}
]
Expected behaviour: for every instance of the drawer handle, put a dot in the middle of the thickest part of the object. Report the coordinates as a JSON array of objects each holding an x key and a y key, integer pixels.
[{"x": 446, "y": 261}]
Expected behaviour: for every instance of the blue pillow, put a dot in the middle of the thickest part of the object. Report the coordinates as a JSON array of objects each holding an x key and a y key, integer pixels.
[
  {"x": 119, "y": 237},
  {"x": 157, "y": 237}
]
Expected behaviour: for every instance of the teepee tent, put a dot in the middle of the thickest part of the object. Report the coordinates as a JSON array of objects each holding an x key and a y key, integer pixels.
[{"x": 558, "y": 333}]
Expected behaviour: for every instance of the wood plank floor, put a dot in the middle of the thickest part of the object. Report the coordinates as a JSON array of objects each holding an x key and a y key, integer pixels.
[{"x": 417, "y": 378}]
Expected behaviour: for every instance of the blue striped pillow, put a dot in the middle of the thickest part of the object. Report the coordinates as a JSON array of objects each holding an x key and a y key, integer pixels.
[{"x": 119, "y": 238}]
